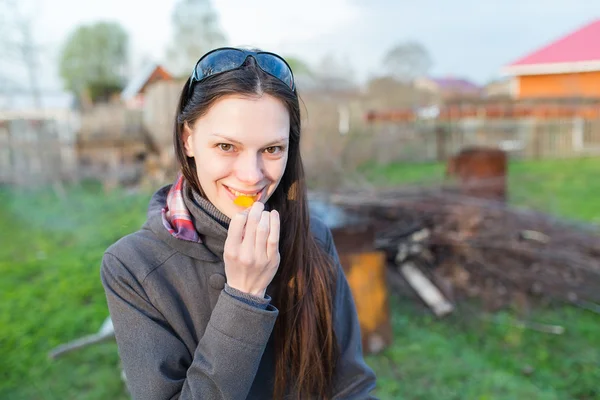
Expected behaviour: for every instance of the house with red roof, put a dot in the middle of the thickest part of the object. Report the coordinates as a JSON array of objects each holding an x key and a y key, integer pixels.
[
  {"x": 566, "y": 68},
  {"x": 133, "y": 94}
]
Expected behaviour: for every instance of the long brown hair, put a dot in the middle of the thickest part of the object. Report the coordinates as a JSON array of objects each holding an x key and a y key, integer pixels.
[{"x": 305, "y": 344}]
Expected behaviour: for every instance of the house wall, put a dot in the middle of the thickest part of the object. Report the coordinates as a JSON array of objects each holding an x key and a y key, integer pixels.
[
  {"x": 582, "y": 84},
  {"x": 159, "y": 74},
  {"x": 502, "y": 88}
]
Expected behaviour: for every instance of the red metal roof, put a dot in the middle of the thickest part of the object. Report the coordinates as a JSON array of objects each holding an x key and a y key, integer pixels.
[{"x": 581, "y": 45}]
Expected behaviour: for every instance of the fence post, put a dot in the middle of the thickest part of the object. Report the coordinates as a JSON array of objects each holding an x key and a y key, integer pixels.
[
  {"x": 440, "y": 139},
  {"x": 536, "y": 140},
  {"x": 578, "y": 127}
]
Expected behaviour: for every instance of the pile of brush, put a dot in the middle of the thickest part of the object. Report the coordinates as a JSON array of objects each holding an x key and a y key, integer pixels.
[{"x": 482, "y": 248}]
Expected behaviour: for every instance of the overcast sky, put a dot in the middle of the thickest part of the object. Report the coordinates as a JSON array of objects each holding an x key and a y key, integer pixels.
[{"x": 467, "y": 38}]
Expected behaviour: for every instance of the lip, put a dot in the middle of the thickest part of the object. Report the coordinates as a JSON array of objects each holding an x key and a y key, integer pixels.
[{"x": 233, "y": 196}]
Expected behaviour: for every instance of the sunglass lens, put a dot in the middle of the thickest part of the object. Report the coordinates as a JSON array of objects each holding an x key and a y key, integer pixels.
[
  {"x": 276, "y": 67},
  {"x": 219, "y": 61}
]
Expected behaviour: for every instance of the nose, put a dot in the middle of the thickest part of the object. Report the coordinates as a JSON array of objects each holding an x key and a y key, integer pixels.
[{"x": 249, "y": 169}]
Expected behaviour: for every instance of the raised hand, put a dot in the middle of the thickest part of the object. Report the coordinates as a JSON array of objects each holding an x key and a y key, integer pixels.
[{"x": 251, "y": 253}]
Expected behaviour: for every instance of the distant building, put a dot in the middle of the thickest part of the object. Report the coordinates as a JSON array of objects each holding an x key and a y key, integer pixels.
[
  {"x": 133, "y": 94},
  {"x": 449, "y": 87},
  {"x": 499, "y": 89},
  {"x": 566, "y": 68}
]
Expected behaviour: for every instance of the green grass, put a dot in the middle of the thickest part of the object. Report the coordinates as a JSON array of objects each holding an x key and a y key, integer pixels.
[
  {"x": 568, "y": 188},
  {"x": 50, "y": 293},
  {"x": 474, "y": 358},
  {"x": 403, "y": 173}
]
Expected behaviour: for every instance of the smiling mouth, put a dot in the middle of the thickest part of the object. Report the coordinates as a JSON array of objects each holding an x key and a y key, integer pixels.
[
  {"x": 244, "y": 199},
  {"x": 243, "y": 194}
]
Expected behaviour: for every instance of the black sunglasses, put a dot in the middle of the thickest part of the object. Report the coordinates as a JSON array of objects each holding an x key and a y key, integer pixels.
[{"x": 229, "y": 58}]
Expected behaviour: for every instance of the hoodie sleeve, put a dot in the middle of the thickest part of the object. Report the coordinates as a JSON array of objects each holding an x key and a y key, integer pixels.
[
  {"x": 158, "y": 365},
  {"x": 354, "y": 379}
]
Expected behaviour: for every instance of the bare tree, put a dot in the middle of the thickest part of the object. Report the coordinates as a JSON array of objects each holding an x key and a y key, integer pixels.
[
  {"x": 407, "y": 61},
  {"x": 19, "y": 46},
  {"x": 196, "y": 30},
  {"x": 335, "y": 65}
]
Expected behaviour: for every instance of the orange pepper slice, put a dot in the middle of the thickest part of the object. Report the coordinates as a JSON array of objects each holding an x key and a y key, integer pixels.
[{"x": 244, "y": 201}]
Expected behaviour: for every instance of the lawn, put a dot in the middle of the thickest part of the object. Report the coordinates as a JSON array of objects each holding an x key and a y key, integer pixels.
[
  {"x": 466, "y": 357},
  {"x": 50, "y": 293}
]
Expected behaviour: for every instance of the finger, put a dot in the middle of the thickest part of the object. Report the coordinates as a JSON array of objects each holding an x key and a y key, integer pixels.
[
  {"x": 273, "y": 239},
  {"x": 251, "y": 224},
  {"x": 235, "y": 232},
  {"x": 262, "y": 234}
]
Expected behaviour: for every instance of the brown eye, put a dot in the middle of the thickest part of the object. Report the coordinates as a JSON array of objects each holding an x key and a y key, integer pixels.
[
  {"x": 225, "y": 147},
  {"x": 273, "y": 149}
]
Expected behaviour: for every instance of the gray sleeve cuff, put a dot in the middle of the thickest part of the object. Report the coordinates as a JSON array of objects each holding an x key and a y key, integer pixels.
[{"x": 259, "y": 302}]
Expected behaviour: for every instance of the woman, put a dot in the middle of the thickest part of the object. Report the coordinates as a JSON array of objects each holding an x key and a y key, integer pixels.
[{"x": 215, "y": 298}]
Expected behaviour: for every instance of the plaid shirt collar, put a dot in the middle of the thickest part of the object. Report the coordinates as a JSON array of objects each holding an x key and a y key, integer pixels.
[{"x": 176, "y": 217}]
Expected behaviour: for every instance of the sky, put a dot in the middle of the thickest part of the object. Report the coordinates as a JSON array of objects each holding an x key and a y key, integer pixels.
[{"x": 465, "y": 38}]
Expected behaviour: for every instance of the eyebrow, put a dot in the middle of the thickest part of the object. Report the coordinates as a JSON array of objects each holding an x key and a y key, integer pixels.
[{"x": 280, "y": 141}]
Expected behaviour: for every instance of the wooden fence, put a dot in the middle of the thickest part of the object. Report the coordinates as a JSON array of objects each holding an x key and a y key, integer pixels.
[
  {"x": 113, "y": 141},
  {"x": 431, "y": 141},
  {"x": 36, "y": 149}
]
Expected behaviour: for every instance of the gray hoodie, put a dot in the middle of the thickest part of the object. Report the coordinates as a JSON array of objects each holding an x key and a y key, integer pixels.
[{"x": 182, "y": 336}]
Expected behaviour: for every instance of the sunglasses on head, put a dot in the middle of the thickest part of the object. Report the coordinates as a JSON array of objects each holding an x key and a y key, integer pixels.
[{"x": 229, "y": 58}]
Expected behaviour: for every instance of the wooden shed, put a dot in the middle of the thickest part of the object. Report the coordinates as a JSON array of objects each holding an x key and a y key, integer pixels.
[{"x": 134, "y": 93}]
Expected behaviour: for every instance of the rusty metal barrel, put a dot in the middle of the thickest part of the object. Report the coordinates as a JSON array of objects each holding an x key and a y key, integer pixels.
[
  {"x": 365, "y": 270},
  {"x": 481, "y": 172}
]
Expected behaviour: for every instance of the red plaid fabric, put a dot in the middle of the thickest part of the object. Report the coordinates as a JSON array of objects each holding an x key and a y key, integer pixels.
[{"x": 175, "y": 215}]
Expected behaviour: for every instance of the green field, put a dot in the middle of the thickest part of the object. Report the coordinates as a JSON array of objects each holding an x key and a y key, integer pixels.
[{"x": 50, "y": 293}]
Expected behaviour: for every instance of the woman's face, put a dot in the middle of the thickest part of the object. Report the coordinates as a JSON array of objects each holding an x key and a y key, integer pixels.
[{"x": 240, "y": 146}]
